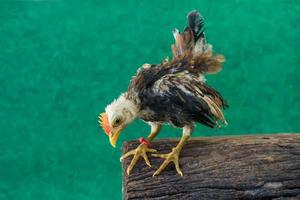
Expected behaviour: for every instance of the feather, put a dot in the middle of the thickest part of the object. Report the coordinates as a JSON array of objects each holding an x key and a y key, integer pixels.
[
  {"x": 191, "y": 47},
  {"x": 192, "y": 41},
  {"x": 178, "y": 96},
  {"x": 196, "y": 24},
  {"x": 208, "y": 63},
  {"x": 175, "y": 92},
  {"x": 179, "y": 41}
]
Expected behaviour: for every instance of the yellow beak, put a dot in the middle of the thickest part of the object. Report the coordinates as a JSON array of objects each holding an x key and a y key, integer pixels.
[{"x": 114, "y": 137}]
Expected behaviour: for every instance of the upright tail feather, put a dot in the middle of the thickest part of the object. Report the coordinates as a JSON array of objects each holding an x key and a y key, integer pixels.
[
  {"x": 192, "y": 40},
  {"x": 196, "y": 24},
  {"x": 192, "y": 45}
]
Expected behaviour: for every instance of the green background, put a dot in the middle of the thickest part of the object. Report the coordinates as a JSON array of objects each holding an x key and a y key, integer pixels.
[{"x": 62, "y": 62}]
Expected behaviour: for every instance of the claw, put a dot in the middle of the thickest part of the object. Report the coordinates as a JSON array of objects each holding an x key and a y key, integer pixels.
[
  {"x": 129, "y": 153},
  {"x": 178, "y": 168},
  {"x": 140, "y": 151},
  {"x": 132, "y": 164},
  {"x": 146, "y": 159},
  {"x": 170, "y": 157}
]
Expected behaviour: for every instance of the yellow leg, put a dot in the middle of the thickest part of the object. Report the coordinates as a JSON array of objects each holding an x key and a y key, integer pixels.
[
  {"x": 142, "y": 149},
  {"x": 173, "y": 156}
]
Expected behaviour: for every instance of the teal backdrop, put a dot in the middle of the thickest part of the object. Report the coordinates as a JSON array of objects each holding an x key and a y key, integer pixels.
[{"x": 62, "y": 62}]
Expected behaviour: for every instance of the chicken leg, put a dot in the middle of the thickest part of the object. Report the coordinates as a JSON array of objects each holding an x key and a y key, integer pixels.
[
  {"x": 173, "y": 156},
  {"x": 142, "y": 149}
]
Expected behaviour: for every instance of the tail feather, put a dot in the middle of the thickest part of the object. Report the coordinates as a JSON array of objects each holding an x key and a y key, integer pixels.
[
  {"x": 196, "y": 24},
  {"x": 192, "y": 40},
  {"x": 191, "y": 45}
]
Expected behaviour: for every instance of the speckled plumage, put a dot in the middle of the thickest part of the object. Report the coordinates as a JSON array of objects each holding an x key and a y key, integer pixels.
[
  {"x": 175, "y": 92},
  {"x": 170, "y": 92}
]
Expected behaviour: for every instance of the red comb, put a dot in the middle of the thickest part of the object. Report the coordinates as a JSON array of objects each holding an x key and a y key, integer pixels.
[{"x": 103, "y": 121}]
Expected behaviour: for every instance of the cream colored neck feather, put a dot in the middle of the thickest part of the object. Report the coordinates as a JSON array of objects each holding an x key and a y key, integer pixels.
[{"x": 122, "y": 105}]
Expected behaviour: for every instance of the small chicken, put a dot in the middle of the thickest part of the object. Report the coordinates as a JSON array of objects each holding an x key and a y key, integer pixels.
[{"x": 172, "y": 92}]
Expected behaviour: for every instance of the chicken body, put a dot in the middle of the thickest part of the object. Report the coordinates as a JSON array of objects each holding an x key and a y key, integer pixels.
[{"x": 172, "y": 92}]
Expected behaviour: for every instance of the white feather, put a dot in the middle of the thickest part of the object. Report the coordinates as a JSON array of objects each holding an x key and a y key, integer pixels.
[{"x": 118, "y": 106}]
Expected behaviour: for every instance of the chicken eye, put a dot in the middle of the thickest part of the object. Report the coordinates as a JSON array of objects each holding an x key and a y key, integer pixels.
[{"x": 117, "y": 121}]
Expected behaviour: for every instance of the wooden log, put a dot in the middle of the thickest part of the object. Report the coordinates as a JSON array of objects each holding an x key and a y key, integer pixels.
[{"x": 245, "y": 167}]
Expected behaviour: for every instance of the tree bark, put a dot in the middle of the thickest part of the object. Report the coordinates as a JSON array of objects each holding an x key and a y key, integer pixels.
[{"x": 241, "y": 167}]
